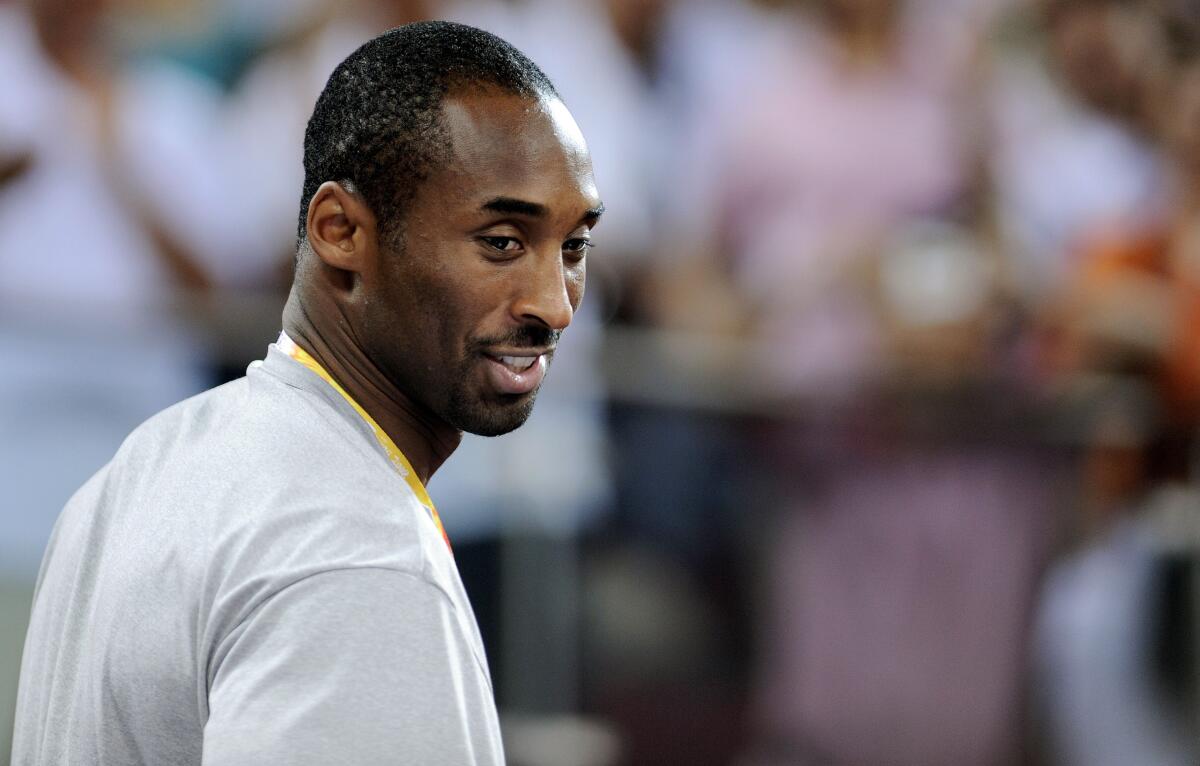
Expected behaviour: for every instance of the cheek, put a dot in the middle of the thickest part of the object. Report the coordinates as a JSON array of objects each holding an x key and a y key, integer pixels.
[
  {"x": 576, "y": 282},
  {"x": 410, "y": 321},
  {"x": 461, "y": 310}
]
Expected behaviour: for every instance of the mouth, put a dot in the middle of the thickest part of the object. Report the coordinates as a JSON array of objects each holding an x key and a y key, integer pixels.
[
  {"x": 516, "y": 373},
  {"x": 517, "y": 364}
]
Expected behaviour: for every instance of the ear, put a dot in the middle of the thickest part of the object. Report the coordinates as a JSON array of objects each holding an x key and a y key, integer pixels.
[{"x": 341, "y": 227}]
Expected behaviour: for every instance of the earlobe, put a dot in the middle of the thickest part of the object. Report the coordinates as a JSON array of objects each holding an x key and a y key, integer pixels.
[{"x": 341, "y": 228}]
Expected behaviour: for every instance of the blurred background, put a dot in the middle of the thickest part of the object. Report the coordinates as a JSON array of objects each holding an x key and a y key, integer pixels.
[{"x": 875, "y": 443}]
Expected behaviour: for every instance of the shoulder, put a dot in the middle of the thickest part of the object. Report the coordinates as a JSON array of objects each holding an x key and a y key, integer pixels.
[
  {"x": 265, "y": 484},
  {"x": 258, "y": 426}
]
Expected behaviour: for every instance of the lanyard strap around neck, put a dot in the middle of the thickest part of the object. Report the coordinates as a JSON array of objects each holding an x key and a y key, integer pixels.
[{"x": 397, "y": 458}]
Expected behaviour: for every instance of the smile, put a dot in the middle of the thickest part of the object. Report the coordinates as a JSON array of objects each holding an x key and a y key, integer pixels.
[
  {"x": 515, "y": 374},
  {"x": 518, "y": 363}
]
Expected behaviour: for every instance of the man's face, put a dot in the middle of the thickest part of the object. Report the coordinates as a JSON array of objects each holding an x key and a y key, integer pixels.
[{"x": 464, "y": 316}]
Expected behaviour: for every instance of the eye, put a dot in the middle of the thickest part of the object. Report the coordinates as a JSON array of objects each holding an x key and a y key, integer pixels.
[
  {"x": 577, "y": 247},
  {"x": 502, "y": 244}
]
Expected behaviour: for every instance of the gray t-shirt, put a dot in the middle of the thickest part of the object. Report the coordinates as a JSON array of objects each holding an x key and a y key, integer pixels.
[{"x": 249, "y": 581}]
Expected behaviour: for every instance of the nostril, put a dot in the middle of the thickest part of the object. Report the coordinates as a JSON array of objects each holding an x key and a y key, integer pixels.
[{"x": 550, "y": 306}]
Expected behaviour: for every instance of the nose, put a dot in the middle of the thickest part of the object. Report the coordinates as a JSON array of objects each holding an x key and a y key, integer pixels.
[{"x": 544, "y": 294}]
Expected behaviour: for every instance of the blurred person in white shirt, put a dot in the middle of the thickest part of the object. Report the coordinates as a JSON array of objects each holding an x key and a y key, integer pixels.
[
  {"x": 113, "y": 205},
  {"x": 1069, "y": 148}
]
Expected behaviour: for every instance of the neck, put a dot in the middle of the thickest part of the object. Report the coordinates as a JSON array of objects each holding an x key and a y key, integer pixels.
[{"x": 425, "y": 439}]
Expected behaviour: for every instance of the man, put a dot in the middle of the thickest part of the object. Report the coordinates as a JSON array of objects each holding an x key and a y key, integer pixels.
[{"x": 259, "y": 574}]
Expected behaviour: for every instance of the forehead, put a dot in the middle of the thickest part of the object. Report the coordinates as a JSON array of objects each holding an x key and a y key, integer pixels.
[{"x": 507, "y": 145}]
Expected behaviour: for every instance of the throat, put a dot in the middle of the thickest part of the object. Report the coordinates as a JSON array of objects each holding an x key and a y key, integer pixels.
[{"x": 424, "y": 440}]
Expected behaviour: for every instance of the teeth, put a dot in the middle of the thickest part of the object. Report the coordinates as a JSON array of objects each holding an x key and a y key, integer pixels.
[{"x": 519, "y": 362}]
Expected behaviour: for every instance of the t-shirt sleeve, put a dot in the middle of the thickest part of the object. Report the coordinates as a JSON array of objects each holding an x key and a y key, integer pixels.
[{"x": 364, "y": 666}]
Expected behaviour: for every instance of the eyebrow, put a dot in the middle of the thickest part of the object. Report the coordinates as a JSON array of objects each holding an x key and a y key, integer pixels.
[{"x": 514, "y": 206}]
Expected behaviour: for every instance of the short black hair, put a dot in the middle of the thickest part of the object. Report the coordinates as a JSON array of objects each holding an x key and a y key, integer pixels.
[{"x": 377, "y": 126}]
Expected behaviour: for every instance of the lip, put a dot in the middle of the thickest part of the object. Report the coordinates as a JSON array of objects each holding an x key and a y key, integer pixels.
[
  {"x": 511, "y": 382},
  {"x": 499, "y": 351}
]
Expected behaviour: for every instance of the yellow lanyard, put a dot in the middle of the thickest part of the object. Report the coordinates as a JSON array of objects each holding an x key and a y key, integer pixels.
[{"x": 399, "y": 462}]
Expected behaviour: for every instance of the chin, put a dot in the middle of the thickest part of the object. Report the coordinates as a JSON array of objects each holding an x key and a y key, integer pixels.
[{"x": 491, "y": 418}]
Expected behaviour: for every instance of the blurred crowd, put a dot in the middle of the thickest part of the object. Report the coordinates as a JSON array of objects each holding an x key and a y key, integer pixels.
[{"x": 875, "y": 442}]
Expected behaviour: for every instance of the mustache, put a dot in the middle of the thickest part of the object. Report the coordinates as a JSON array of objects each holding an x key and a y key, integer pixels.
[{"x": 526, "y": 336}]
